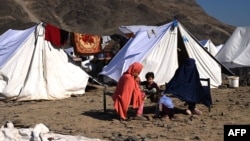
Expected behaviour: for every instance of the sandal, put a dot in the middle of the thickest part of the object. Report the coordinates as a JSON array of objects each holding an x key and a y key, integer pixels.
[{"x": 140, "y": 118}]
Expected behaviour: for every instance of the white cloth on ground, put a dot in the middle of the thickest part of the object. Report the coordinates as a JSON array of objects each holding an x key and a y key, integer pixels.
[{"x": 39, "y": 133}]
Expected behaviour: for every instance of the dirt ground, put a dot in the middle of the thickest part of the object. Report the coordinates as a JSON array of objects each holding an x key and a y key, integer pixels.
[{"x": 84, "y": 115}]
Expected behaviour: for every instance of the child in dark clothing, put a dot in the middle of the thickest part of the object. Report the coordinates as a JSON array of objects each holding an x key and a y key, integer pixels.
[
  {"x": 164, "y": 105},
  {"x": 150, "y": 87}
]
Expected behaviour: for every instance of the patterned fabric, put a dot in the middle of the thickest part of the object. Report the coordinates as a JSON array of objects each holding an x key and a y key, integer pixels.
[{"x": 85, "y": 44}]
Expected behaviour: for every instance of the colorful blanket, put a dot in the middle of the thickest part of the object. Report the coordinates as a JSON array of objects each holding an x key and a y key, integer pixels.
[{"x": 85, "y": 44}]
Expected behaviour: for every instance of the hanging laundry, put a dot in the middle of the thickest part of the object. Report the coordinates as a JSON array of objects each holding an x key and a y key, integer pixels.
[
  {"x": 58, "y": 37},
  {"x": 105, "y": 40},
  {"x": 85, "y": 44}
]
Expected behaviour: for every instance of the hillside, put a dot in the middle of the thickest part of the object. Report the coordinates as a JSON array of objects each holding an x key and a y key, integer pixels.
[{"x": 102, "y": 17}]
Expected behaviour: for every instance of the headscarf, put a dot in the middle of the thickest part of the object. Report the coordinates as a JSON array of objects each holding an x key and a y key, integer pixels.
[{"x": 136, "y": 67}]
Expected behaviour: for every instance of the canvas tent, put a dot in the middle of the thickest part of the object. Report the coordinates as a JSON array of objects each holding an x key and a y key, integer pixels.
[
  {"x": 219, "y": 47},
  {"x": 209, "y": 45},
  {"x": 236, "y": 50},
  {"x": 32, "y": 69},
  {"x": 162, "y": 53}
]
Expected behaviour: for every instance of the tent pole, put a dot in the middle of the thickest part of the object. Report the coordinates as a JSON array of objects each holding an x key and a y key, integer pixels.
[{"x": 104, "y": 99}]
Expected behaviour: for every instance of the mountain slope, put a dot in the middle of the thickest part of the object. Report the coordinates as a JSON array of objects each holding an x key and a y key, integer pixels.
[{"x": 102, "y": 17}]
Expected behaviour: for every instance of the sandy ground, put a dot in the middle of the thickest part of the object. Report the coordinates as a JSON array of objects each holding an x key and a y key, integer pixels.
[{"x": 84, "y": 115}]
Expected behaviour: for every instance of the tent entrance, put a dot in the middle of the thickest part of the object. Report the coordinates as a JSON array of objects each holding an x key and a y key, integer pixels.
[{"x": 181, "y": 49}]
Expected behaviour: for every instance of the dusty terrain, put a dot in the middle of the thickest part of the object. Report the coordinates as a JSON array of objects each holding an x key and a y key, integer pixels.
[{"x": 84, "y": 115}]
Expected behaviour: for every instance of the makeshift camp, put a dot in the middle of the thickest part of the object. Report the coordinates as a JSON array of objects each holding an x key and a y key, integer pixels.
[
  {"x": 209, "y": 46},
  {"x": 161, "y": 50},
  {"x": 32, "y": 69},
  {"x": 236, "y": 50}
]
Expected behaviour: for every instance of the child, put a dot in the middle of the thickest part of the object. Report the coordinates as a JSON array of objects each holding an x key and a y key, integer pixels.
[
  {"x": 150, "y": 87},
  {"x": 166, "y": 108}
]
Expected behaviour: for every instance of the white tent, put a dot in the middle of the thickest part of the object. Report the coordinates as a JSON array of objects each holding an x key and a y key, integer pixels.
[
  {"x": 162, "y": 54},
  {"x": 236, "y": 50},
  {"x": 209, "y": 45},
  {"x": 219, "y": 47},
  {"x": 32, "y": 69}
]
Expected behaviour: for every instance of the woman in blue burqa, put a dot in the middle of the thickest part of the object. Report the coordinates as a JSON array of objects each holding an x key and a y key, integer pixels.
[{"x": 186, "y": 85}]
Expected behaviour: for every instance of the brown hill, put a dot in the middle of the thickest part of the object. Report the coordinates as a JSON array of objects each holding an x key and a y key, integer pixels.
[{"x": 102, "y": 17}]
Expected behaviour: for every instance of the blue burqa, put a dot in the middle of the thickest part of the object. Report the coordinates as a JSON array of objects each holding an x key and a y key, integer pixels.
[{"x": 186, "y": 85}]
